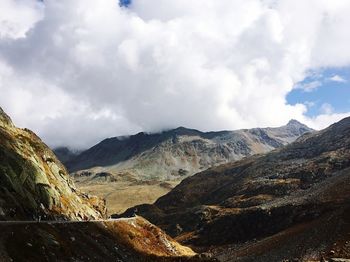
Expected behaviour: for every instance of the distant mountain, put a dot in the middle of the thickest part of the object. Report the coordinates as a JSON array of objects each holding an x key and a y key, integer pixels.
[
  {"x": 292, "y": 204},
  {"x": 181, "y": 152},
  {"x": 65, "y": 154}
]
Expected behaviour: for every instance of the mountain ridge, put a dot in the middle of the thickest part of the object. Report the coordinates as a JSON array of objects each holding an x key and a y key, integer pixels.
[{"x": 142, "y": 152}]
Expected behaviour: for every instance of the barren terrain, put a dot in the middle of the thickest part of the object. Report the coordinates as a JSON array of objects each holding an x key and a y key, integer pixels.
[{"x": 123, "y": 195}]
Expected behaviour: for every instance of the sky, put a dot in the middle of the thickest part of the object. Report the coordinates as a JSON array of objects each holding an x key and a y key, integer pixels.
[
  {"x": 323, "y": 92},
  {"x": 76, "y": 72}
]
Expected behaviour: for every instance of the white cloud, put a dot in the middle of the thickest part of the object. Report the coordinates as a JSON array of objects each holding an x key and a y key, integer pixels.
[
  {"x": 310, "y": 104},
  {"x": 324, "y": 120},
  {"x": 18, "y": 16},
  {"x": 327, "y": 109},
  {"x": 309, "y": 87},
  {"x": 90, "y": 69},
  {"x": 337, "y": 78}
]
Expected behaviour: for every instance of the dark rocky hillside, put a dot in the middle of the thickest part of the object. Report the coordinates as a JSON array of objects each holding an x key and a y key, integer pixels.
[{"x": 290, "y": 203}]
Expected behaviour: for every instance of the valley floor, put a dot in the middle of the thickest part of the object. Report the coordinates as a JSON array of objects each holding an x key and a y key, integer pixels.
[{"x": 123, "y": 195}]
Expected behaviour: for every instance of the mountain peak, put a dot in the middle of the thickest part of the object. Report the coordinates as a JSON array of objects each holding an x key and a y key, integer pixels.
[
  {"x": 294, "y": 122},
  {"x": 184, "y": 131},
  {"x": 181, "y": 128},
  {"x": 5, "y": 119}
]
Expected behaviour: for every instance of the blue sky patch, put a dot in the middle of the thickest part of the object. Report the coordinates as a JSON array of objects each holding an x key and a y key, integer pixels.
[
  {"x": 323, "y": 91},
  {"x": 125, "y": 3}
]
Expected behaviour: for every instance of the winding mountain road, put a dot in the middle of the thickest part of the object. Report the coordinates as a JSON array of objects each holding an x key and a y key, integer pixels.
[{"x": 53, "y": 222}]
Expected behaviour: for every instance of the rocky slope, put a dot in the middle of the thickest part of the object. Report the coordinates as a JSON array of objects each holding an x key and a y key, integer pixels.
[
  {"x": 178, "y": 153},
  {"x": 296, "y": 196},
  {"x": 34, "y": 183}
]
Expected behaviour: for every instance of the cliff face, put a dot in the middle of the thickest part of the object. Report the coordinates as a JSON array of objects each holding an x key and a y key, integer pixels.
[{"x": 34, "y": 183}]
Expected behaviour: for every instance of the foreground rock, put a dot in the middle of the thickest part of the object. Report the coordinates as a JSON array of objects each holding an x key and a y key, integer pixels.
[
  {"x": 292, "y": 203},
  {"x": 34, "y": 183}
]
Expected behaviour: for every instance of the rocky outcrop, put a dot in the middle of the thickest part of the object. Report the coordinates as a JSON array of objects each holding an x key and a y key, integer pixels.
[
  {"x": 179, "y": 153},
  {"x": 260, "y": 199},
  {"x": 34, "y": 183}
]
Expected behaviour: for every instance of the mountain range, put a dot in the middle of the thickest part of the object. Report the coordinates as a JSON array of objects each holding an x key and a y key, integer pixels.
[
  {"x": 291, "y": 203},
  {"x": 180, "y": 152},
  {"x": 137, "y": 169}
]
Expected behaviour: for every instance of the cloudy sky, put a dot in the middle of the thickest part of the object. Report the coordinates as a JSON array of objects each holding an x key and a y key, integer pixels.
[{"x": 78, "y": 71}]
